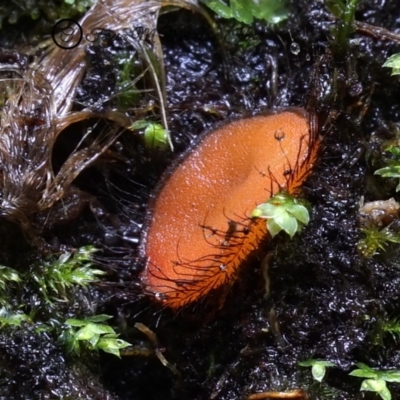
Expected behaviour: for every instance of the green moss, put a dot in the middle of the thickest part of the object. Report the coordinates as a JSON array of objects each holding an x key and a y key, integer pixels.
[
  {"x": 392, "y": 326},
  {"x": 376, "y": 239},
  {"x": 55, "y": 277},
  {"x": 53, "y": 10},
  {"x": 8, "y": 278},
  {"x": 51, "y": 284}
]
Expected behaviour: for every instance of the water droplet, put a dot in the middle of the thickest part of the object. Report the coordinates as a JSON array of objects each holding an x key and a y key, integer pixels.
[
  {"x": 295, "y": 48},
  {"x": 159, "y": 296}
]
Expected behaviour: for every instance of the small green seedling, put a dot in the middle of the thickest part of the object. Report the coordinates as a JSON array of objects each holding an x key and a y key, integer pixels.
[
  {"x": 393, "y": 168},
  {"x": 90, "y": 332},
  {"x": 272, "y": 11},
  {"x": 394, "y": 63},
  {"x": 155, "y": 136},
  {"x": 318, "y": 367},
  {"x": 376, "y": 380},
  {"x": 283, "y": 212}
]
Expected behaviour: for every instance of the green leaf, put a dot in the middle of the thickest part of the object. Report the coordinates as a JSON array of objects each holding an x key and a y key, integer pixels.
[
  {"x": 155, "y": 136},
  {"x": 67, "y": 339},
  {"x": 75, "y": 322},
  {"x": 64, "y": 257},
  {"x": 392, "y": 171},
  {"x": 306, "y": 363},
  {"x": 315, "y": 361},
  {"x": 365, "y": 367},
  {"x": 283, "y": 212},
  {"x": 377, "y": 386},
  {"x": 272, "y": 11},
  {"x": 12, "y": 318},
  {"x": 299, "y": 212},
  {"x": 393, "y": 62},
  {"x": 391, "y": 376},
  {"x": 139, "y": 124},
  {"x": 242, "y": 11},
  {"x": 265, "y": 210},
  {"x": 93, "y": 329},
  {"x": 361, "y": 373},
  {"x": 112, "y": 345},
  {"x": 9, "y": 274},
  {"x": 220, "y": 8},
  {"x": 101, "y": 329},
  {"x": 318, "y": 372},
  {"x": 273, "y": 227},
  {"x": 287, "y": 223},
  {"x": 85, "y": 253},
  {"x": 257, "y": 213},
  {"x": 94, "y": 340},
  {"x": 364, "y": 371},
  {"x": 99, "y": 318},
  {"x": 336, "y": 7},
  {"x": 318, "y": 369},
  {"x": 91, "y": 334},
  {"x": 85, "y": 333},
  {"x": 394, "y": 150}
]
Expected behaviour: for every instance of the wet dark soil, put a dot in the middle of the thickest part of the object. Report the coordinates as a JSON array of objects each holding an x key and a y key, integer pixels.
[{"x": 327, "y": 301}]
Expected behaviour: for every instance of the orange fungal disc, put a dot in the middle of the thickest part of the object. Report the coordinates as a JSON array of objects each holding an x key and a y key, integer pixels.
[{"x": 199, "y": 229}]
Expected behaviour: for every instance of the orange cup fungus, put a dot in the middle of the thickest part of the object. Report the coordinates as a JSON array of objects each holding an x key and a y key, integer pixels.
[{"x": 199, "y": 230}]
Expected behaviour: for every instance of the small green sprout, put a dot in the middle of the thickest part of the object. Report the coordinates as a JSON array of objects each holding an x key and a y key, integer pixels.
[
  {"x": 376, "y": 380},
  {"x": 283, "y": 212},
  {"x": 393, "y": 168},
  {"x": 376, "y": 239},
  {"x": 155, "y": 136},
  {"x": 393, "y": 62},
  {"x": 318, "y": 367},
  {"x": 92, "y": 334},
  {"x": 272, "y": 11},
  {"x": 55, "y": 278}
]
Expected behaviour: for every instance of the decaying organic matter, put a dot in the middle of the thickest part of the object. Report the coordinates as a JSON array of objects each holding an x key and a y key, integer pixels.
[
  {"x": 30, "y": 125},
  {"x": 37, "y": 105}
]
